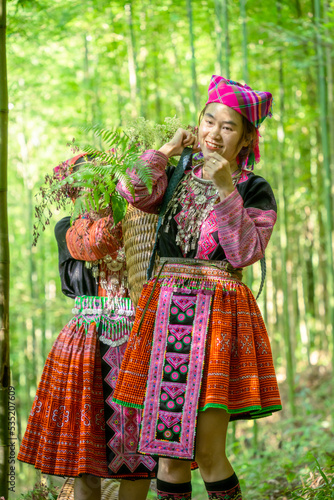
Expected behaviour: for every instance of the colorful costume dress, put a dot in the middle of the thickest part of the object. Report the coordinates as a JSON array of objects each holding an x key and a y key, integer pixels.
[
  {"x": 74, "y": 427},
  {"x": 198, "y": 339}
]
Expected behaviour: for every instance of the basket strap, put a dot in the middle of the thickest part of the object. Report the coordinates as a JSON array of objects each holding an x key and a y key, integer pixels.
[
  {"x": 184, "y": 163},
  {"x": 263, "y": 275}
]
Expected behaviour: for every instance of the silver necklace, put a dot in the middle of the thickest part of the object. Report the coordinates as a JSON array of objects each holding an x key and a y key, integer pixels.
[{"x": 197, "y": 197}]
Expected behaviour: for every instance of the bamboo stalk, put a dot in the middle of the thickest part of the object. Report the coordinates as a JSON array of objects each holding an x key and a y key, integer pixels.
[
  {"x": 219, "y": 35},
  {"x": 222, "y": 32},
  {"x": 132, "y": 61},
  {"x": 156, "y": 82},
  {"x": 182, "y": 106},
  {"x": 193, "y": 62},
  {"x": 284, "y": 239},
  {"x": 227, "y": 39},
  {"x": 327, "y": 173},
  {"x": 4, "y": 263},
  {"x": 303, "y": 326},
  {"x": 330, "y": 91},
  {"x": 244, "y": 40},
  {"x": 116, "y": 70},
  {"x": 32, "y": 289},
  {"x": 86, "y": 78}
]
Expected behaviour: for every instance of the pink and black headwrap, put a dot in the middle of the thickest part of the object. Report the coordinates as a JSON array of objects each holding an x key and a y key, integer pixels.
[{"x": 254, "y": 105}]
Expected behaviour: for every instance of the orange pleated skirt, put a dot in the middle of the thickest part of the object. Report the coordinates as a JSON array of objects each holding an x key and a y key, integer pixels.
[
  {"x": 65, "y": 434},
  {"x": 238, "y": 373}
]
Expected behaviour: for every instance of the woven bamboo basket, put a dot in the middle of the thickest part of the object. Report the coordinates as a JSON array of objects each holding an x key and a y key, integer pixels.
[
  {"x": 109, "y": 489},
  {"x": 138, "y": 235}
]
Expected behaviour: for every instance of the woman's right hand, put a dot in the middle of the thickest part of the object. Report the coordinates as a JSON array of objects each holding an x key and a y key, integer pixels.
[{"x": 182, "y": 139}]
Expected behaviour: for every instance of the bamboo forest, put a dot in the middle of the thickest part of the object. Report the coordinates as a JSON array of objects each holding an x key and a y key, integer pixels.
[{"x": 143, "y": 63}]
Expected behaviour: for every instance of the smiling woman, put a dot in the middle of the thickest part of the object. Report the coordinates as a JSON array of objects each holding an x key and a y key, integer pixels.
[
  {"x": 221, "y": 131},
  {"x": 217, "y": 123},
  {"x": 221, "y": 138},
  {"x": 199, "y": 353}
]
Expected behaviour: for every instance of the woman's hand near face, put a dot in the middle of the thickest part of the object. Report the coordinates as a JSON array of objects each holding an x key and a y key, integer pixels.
[
  {"x": 217, "y": 169},
  {"x": 182, "y": 139}
]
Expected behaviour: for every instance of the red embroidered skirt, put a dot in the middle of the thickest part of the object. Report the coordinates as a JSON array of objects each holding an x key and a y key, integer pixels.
[
  {"x": 66, "y": 431},
  {"x": 65, "y": 434}
]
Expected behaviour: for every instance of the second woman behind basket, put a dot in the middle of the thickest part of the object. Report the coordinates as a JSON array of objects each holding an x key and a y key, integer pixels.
[{"x": 74, "y": 429}]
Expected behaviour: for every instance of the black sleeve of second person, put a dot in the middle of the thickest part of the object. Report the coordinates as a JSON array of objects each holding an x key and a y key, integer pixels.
[{"x": 75, "y": 278}]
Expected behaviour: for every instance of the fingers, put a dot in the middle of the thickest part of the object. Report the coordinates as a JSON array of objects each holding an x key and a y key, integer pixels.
[
  {"x": 186, "y": 136},
  {"x": 189, "y": 138},
  {"x": 189, "y": 141},
  {"x": 216, "y": 161},
  {"x": 181, "y": 139},
  {"x": 196, "y": 147},
  {"x": 217, "y": 165},
  {"x": 216, "y": 157}
]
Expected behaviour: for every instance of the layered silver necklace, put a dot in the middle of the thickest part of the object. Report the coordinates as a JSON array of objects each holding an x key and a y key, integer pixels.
[{"x": 197, "y": 197}]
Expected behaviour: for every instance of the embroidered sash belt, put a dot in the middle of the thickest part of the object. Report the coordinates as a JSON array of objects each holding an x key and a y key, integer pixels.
[{"x": 223, "y": 265}]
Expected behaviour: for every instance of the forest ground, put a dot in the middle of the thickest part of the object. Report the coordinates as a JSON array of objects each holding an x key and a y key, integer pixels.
[
  {"x": 282, "y": 465},
  {"x": 278, "y": 458}
]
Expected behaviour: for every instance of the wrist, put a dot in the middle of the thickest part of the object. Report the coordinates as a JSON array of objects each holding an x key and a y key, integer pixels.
[
  {"x": 225, "y": 192},
  {"x": 167, "y": 149}
]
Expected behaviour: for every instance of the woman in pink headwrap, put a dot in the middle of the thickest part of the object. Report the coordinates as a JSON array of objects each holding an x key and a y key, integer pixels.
[{"x": 199, "y": 354}]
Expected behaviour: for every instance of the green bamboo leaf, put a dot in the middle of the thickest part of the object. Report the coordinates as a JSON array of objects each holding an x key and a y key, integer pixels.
[
  {"x": 88, "y": 206},
  {"x": 107, "y": 198},
  {"x": 96, "y": 198},
  {"x": 82, "y": 184}
]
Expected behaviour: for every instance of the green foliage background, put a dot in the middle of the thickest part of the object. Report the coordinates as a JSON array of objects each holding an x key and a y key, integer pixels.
[{"x": 73, "y": 64}]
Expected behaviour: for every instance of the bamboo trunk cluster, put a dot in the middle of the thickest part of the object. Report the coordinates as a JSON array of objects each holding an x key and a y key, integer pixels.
[{"x": 4, "y": 263}]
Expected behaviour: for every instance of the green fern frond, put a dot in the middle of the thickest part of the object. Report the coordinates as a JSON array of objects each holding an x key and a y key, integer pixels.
[{"x": 110, "y": 137}]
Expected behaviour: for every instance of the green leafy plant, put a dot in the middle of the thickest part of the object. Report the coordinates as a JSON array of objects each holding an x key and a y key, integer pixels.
[
  {"x": 93, "y": 186},
  {"x": 149, "y": 135},
  {"x": 317, "y": 485},
  {"x": 41, "y": 491}
]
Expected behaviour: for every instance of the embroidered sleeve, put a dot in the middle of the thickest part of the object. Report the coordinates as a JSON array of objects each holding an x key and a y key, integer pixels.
[
  {"x": 143, "y": 199},
  {"x": 92, "y": 240},
  {"x": 245, "y": 224}
]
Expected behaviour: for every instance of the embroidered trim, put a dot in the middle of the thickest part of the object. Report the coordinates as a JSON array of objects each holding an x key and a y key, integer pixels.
[
  {"x": 124, "y": 424},
  {"x": 255, "y": 411},
  {"x": 113, "y": 316},
  {"x": 182, "y": 446}
]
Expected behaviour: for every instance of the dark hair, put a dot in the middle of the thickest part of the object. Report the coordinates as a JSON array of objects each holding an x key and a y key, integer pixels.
[
  {"x": 248, "y": 134},
  {"x": 201, "y": 115}
]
